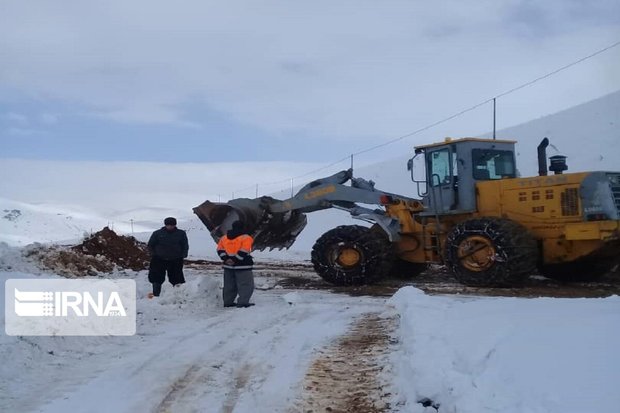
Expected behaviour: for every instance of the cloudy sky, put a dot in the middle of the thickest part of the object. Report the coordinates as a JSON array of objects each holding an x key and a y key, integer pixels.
[{"x": 206, "y": 81}]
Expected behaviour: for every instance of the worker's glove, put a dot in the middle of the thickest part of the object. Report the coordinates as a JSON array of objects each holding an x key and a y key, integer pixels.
[{"x": 229, "y": 261}]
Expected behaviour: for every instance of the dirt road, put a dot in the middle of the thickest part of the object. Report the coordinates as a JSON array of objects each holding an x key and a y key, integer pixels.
[
  {"x": 349, "y": 376},
  {"x": 306, "y": 346},
  {"x": 438, "y": 281}
]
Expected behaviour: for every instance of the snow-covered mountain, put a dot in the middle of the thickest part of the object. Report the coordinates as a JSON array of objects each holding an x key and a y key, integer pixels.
[{"x": 58, "y": 201}]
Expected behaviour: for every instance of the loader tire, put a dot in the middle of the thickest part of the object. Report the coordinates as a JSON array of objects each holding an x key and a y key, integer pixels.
[
  {"x": 491, "y": 252},
  {"x": 352, "y": 255}
]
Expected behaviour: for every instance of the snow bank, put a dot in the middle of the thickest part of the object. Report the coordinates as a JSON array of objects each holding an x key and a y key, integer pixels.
[
  {"x": 508, "y": 354},
  {"x": 25, "y": 359},
  {"x": 15, "y": 259}
]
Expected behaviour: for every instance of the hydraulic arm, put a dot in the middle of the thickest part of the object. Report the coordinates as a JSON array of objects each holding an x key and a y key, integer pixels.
[{"x": 276, "y": 224}]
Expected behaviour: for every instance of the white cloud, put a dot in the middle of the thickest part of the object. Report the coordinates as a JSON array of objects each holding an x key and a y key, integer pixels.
[
  {"x": 49, "y": 118},
  {"x": 147, "y": 114},
  {"x": 21, "y": 131},
  {"x": 14, "y": 117},
  {"x": 348, "y": 69}
]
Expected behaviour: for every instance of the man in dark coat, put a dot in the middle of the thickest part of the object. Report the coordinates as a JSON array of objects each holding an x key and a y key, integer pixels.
[
  {"x": 168, "y": 247},
  {"x": 234, "y": 249}
]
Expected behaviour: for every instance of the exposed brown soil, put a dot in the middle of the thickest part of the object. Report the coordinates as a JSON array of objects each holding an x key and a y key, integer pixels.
[
  {"x": 102, "y": 252},
  {"x": 438, "y": 280},
  {"x": 68, "y": 262},
  {"x": 345, "y": 377},
  {"x": 124, "y": 251},
  {"x": 276, "y": 266}
]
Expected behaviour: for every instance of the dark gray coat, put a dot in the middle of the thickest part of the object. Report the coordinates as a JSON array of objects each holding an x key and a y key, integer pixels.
[{"x": 169, "y": 245}]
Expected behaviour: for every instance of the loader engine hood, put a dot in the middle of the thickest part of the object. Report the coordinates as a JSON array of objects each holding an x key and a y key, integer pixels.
[
  {"x": 600, "y": 195},
  {"x": 269, "y": 230}
]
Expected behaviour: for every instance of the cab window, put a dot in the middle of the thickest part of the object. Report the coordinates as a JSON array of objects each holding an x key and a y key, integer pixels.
[
  {"x": 491, "y": 164},
  {"x": 439, "y": 167}
]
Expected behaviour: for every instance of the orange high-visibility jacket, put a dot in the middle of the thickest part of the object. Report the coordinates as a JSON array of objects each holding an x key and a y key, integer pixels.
[{"x": 238, "y": 250}]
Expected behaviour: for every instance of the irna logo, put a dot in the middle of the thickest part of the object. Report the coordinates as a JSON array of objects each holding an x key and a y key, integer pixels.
[
  {"x": 64, "y": 303},
  {"x": 70, "y": 307}
]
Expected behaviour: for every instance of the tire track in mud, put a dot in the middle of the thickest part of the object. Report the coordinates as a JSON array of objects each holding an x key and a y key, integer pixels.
[
  {"x": 153, "y": 359},
  {"x": 218, "y": 371},
  {"x": 346, "y": 376},
  {"x": 188, "y": 391},
  {"x": 240, "y": 381},
  {"x": 178, "y": 388}
]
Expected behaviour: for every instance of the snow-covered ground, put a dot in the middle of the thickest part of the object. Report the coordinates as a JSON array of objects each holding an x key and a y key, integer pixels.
[
  {"x": 189, "y": 353},
  {"x": 466, "y": 354},
  {"x": 510, "y": 355}
]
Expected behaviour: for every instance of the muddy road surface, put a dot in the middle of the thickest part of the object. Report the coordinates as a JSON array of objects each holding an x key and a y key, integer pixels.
[
  {"x": 436, "y": 280},
  {"x": 346, "y": 377}
]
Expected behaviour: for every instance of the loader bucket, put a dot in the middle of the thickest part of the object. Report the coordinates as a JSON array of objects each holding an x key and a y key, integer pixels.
[{"x": 269, "y": 230}]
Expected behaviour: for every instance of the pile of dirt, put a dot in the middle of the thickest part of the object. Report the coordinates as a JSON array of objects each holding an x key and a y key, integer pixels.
[
  {"x": 102, "y": 252},
  {"x": 68, "y": 262},
  {"x": 124, "y": 251}
]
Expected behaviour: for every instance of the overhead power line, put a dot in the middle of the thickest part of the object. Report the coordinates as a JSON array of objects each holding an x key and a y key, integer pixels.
[
  {"x": 443, "y": 120},
  {"x": 476, "y": 106},
  {"x": 558, "y": 70}
]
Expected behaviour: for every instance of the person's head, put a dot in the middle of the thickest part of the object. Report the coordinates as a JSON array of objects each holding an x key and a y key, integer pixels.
[{"x": 170, "y": 223}]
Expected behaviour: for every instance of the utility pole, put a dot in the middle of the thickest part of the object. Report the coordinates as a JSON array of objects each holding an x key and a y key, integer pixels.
[{"x": 493, "y": 118}]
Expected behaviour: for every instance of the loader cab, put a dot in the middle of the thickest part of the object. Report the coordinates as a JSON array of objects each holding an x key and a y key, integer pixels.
[{"x": 450, "y": 170}]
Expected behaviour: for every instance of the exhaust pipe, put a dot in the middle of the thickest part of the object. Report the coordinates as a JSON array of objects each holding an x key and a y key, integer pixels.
[
  {"x": 558, "y": 164},
  {"x": 542, "y": 157}
]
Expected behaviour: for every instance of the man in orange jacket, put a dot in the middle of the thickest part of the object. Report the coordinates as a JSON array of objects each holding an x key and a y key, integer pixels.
[{"x": 234, "y": 249}]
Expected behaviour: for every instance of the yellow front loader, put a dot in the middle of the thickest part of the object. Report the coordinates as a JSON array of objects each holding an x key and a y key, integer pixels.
[{"x": 472, "y": 213}]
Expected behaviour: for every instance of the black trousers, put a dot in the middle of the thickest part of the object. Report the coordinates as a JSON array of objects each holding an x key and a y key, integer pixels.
[{"x": 159, "y": 267}]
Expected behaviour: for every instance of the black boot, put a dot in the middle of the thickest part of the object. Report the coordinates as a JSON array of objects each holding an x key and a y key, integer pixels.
[
  {"x": 156, "y": 289},
  {"x": 245, "y": 305}
]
